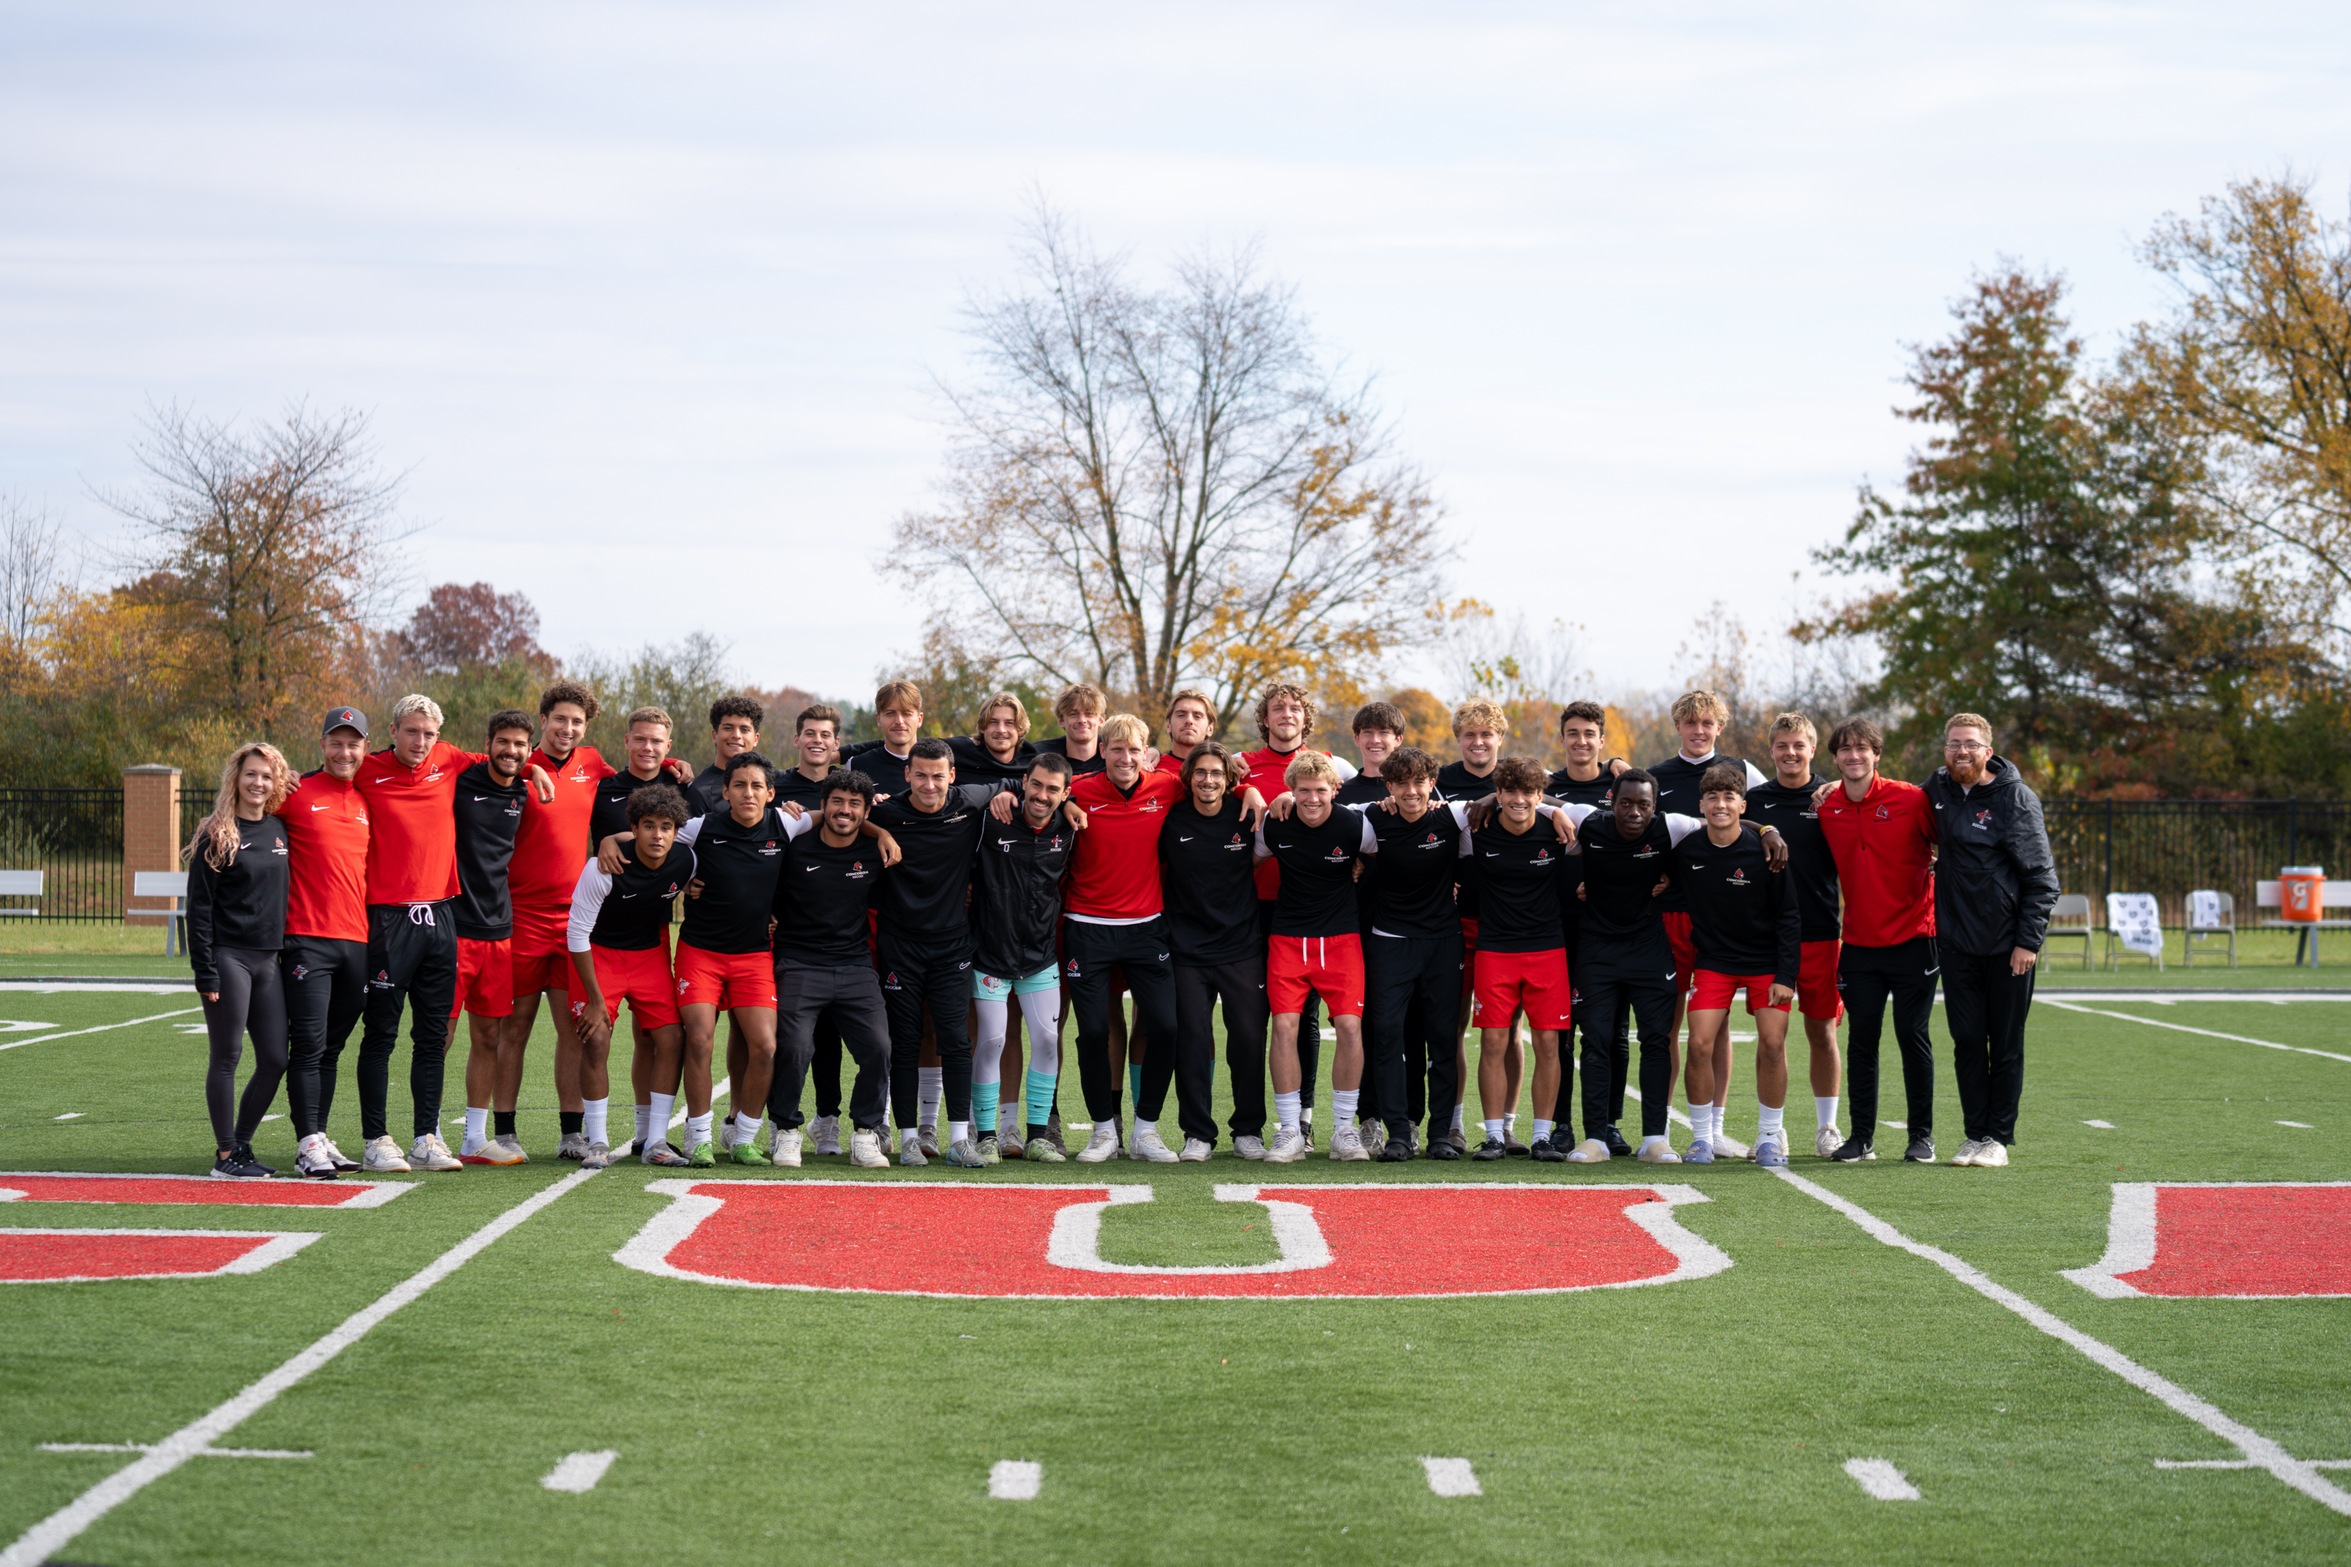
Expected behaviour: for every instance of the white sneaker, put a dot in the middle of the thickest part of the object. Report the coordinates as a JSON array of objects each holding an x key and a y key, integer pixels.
[
  {"x": 1149, "y": 1148},
  {"x": 910, "y": 1150},
  {"x": 1347, "y": 1146},
  {"x": 1102, "y": 1146},
  {"x": 311, "y": 1159},
  {"x": 1827, "y": 1141},
  {"x": 927, "y": 1139},
  {"x": 1728, "y": 1147},
  {"x": 1288, "y": 1148},
  {"x": 784, "y": 1148},
  {"x": 382, "y": 1157},
  {"x": 513, "y": 1148},
  {"x": 596, "y": 1156},
  {"x": 430, "y": 1153},
  {"x": 865, "y": 1150},
  {"x": 1249, "y": 1147},
  {"x": 1195, "y": 1151},
  {"x": 1991, "y": 1154},
  {"x": 343, "y": 1161},
  {"x": 727, "y": 1135},
  {"x": 1967, "y": 1152},
  {"x": 825, "y": 1132}
]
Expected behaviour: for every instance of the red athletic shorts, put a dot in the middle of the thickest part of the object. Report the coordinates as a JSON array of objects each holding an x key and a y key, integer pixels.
[
  {"x": 1537, "y": 981},
  {"x": 1816, "y": 981},
  {"x": 725, "y": 979},
  {"x": 1715, "y": 992},
  {"x": 642, "y": 979},
  {"x": 538, "y": 971},
  {"x": 1685, "y": 950},
  {"x": 485, "y": 979},
  {"x": 1330, "y": 966},
  {"x": 1469, "y": 955}
]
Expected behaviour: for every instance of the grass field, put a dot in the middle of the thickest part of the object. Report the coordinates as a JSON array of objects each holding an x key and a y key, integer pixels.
[{"x": 1707, "y": 1417}]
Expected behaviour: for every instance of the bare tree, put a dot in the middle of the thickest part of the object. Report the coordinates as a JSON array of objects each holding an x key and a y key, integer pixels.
[
  {"x": 1150, "y": 489},
  {"x": 271, "y": 540},
  {"x": 31, "y": 571}
]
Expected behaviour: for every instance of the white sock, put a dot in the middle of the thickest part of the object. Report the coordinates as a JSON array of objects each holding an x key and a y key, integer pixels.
[
  {"x": 1699, "y": 1116},
  {"x": 1286, "y": 1112},
  {"x": 1770, "y": 1122},
  {"x": 1343, "y": 1102},
  {"x": 657, "y": 1116},
  {"x": 1510, "y": 1124},
  {"x": 477, "y": 1128},
  {"x": 1825, "y": 1110},
  {"x": 958, "y": 1131},
  {"x": 644, "y": 1122},
  {"x": 592, "y": 1113},
  {"x": 1008, "y": 1119},
  {"x": 1542, "y": 1130},
  {"x": 1458, "y": 1123},
  {"x": 1494, "y": 1130},
  {"x": 697, "y": 1129},
  {"x": 1720, "y": 1125},
  {"x": 747, "y": 1126},
  {"x": 934, "y": 1084}
]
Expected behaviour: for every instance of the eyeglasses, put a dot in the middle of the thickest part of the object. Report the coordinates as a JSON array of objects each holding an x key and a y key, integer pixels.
[{"x": 1963, "y": 747}]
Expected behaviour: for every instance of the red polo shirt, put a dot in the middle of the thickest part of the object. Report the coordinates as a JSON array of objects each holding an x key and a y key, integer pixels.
[
  {"x": 412, "y": 824},
  {"x": 1114, "y": 870},
  {"x": 1884, "y": 846},
  {"x": 326, "y": 848}
]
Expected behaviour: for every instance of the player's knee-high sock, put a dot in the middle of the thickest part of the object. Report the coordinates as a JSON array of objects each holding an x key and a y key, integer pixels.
[{"x": 1041, "y": 1010}]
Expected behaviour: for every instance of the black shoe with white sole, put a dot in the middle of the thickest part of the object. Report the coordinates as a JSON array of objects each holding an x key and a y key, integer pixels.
[
  {"x": 1920, "y": 1151},
  {"x": 1853, "y": 1150},
  {"x": 1491, "y": 1149},
  {"x": 238, "y": 1164}
]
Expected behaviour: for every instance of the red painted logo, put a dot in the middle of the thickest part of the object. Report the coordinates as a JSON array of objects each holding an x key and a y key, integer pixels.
[
  {"x": 1044, "y": 1242},
  {"x": 192, "y": 1190},
  {"x": 81, "y": 1256},
  {"x": 2225, "y": 1241}
]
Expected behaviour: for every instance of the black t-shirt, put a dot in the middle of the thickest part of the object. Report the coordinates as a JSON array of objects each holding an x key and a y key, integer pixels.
[
  {"x": 923, "y": 895},
  {"x": 1317, "y": 897},
  {"x": 1059, "y": 746},
  {"x": 1520, "y": 878},
  {"x": 1582, "y": 791},
  {"x": 243, "y": 905},
  {"x": 1016, "y": 893},
  {"x": 1743, "y": 918},
  {"x": 611, "y": 811},
  {"x": 1456, "y": 782},
  {"x": 1363, "y": 789},
  {"x": 822, "y": 894},
  {"x": 1810, "y": 865},
  {"x": 1620, "y": 907},
  {"x": 708, "y": 791},
  {"x": 1208, "y": 884},
  {"x": 634, "y": 914},
  {"x": 975, "y": 763},
  {"x": 488, "y": 812},
  {"x": 1677, "y": 791},
  {"x": 737, "y": 866},
  {"x": 873, "y": 758},
  {"x": 797, "y": 787},
  {"x": 1408, "y": 886}
]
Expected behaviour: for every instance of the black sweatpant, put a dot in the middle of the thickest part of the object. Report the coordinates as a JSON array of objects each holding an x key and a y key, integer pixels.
[
  {"x": 847, "y": 1000},
  {"x": 412, "y": 956},
  {"x": 1091, "y": 952},
  {"x": 1606, "y": 985},
  {"x": 915, "y": 972},
  {"x": 1239, "y": 986},
  {"x": 326, "y": 992},
  {"x": 825, "y": 1068},
  {"x": 1412, "y": 1000},
  {"x": 1309, "y": 1017},
  {"x": 1867, "y": 977},
  {"x": 1985, "y": 1006},
  {"x": 252, "y": 1001}
]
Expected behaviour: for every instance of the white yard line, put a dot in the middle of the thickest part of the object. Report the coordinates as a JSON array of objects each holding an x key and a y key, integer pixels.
[
  {"x": 2180, "y": 1028},
  {"x": 120, "y": 987},
  {"x": 1881, "y": 1479},
  {"x": 1015, "y": 1480},
  {"x": 19, "y": 1044},
  {"x": 53, "y": 1533},
  {"x": 1451, "y": 1477},
  {"x": 2103, "y": 1126},
  {"x": 2260, "y": 1452},
  {"x": 578, "y": 1473}
]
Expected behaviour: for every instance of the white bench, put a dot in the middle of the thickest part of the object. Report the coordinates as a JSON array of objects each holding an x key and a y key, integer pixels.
[
  {"x": 22, "y": 884},
  {"x": 165, "y": 884},
  {"x": 2267, "y": 895}
]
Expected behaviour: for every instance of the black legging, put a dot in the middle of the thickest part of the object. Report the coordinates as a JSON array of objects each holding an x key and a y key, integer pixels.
[
  {"x": 326, "y": 994},
  {"x": 251, "y": 1000}
]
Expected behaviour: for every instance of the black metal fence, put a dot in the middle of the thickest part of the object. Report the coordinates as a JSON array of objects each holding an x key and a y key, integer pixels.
[
  {"x": 2172, "y": 847},
  {"x": 74, "y": 838}
]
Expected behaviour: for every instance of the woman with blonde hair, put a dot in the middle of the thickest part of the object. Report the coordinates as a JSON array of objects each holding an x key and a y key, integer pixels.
[{"x": 236, "y": 924}]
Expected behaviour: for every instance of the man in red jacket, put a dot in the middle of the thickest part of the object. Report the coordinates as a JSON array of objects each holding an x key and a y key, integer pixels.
[{"x": 1882, "y": 835}]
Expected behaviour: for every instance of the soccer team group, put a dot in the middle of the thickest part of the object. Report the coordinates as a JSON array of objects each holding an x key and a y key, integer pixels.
[{"x": 921, "y": 906}]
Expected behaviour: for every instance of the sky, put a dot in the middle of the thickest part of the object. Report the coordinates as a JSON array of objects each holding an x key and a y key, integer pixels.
[{"x": 650, "y": 305}]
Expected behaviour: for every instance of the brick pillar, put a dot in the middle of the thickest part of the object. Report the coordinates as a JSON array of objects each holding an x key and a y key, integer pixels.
[{"x": 150, "y": 833}]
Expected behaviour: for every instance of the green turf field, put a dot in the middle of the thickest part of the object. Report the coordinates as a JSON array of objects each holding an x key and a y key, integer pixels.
[{"x": 1709, "y": 1418}]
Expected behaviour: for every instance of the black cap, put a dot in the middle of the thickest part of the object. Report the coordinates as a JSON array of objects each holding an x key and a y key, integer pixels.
[{"x": 344, "y": 718}]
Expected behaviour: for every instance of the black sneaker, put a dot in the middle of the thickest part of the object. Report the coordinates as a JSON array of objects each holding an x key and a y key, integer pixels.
[
  {"x": 1491, "y": 1149},
  {"x": 246, "y": 1150},
  {"x": 1394, "y": 1151},
  {"x": 1444, "y": 1148},
  {"x": 1853, "y": 1150},
  {"x": 1549, "y": 1150},
  {"x": 238, "y": 1164},
  {"x": 1920, "y": 1151},
  {"x": 1618, "y": 1148}
]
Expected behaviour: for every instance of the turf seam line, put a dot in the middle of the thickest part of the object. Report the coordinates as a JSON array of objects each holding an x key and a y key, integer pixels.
[
  {"x": 2261, "y": 1451},
  {"x": 2208, "y": 1033},
  {"x": 53, "y": 1533},
  {"x": 18, "y": 1044}
]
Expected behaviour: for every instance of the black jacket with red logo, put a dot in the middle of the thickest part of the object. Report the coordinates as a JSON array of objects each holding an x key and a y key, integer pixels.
[{"x": 1995, "y": 879}]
